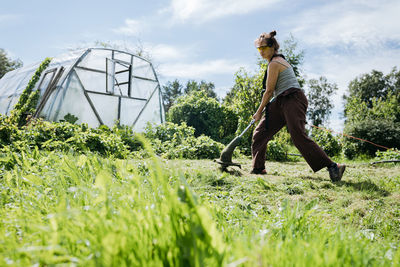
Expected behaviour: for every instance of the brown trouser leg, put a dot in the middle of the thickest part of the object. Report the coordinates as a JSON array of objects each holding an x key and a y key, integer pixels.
[{"x": 289, "y": 109}]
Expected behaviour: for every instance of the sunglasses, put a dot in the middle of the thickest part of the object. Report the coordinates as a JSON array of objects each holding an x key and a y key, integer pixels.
[{"x": 262, "y": 48}]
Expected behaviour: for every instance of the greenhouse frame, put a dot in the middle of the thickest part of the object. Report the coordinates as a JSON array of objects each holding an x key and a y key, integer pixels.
[{"x": 99, "y": 86}]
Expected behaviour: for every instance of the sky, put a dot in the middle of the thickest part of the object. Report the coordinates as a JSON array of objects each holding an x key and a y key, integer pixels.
[{"x": 211, "y": 40}]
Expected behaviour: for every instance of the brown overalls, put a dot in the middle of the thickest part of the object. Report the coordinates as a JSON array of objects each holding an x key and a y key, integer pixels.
[{"x": 289, "y": 108}]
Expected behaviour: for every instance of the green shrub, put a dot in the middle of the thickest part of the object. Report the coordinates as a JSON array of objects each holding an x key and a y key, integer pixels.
[
  {"x": 376, "y": 120},
  {"x": 329, "y": 143},
  {"x": 168, "y": 131},
  {"x": 206, "y": 115},
  {"x": 128, "y": 137},
  {"x": 381, "y": 132},
  {"x": 390, "y": 154},
  {"x": 277, "y": 151},
  {"x": 169, "y": 140},
  {"x": 8, "y": 131},
  {"x": 349, "y": 149},
  {"x": 102, "y": 143},
  {"x": 70, "y": 118},
  {"x": 179, "y": 141},
  {"x": 62, "y": 136}
]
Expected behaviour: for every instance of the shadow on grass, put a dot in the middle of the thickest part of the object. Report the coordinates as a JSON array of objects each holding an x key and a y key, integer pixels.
[
  {"x": 365, "y": 186},
  {"x": 231, "y": 171}
]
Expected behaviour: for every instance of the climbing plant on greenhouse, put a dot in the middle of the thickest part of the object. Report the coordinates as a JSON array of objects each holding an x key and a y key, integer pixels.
[{"x": 29, "y": 99}]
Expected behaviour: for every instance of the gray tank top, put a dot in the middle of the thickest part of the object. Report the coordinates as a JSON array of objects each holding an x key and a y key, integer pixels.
[{"x": 286, "y": 80}]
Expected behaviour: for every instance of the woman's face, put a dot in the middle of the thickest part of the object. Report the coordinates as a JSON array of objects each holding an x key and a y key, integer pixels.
[{"x": 266, "y": 52}]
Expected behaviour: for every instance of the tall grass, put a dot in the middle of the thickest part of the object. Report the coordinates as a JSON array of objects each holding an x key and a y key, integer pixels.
[
  {"x": 84, "y": 210},
  {"x": 298, "y": 237}
]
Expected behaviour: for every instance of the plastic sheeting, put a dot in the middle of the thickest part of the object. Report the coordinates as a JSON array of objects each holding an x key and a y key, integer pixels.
[
  {"x": 98, "y": 85},
  {"x": 11, "y": 86},
  {"x": 150, "y": 112},
  {"x": 75, "y": 103}
]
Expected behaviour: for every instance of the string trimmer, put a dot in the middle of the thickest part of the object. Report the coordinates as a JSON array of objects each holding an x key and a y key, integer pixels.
[{"x": 225, "y": 159}]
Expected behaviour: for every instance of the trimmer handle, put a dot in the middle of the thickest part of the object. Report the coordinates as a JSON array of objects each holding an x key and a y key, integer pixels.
[{"x": 248, "y": 126}]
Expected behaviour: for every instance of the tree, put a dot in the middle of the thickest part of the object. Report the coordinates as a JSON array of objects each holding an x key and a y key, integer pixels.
[
  {"x": 208, "y": 87},
  {"x": 173, "y": 90},
  {"x": 370, "y": 90},
  {"x": 319, "y": 98},
  {"x": 170, "y": 93},
  {"x": 393, "y": 81},
  {"x": 6, "y": 64},
  {"x": 205, "y": 114},
  {"x": 294, "y": 57},
  {"x": 373, "y": 85},
  {"x": 372, "y": 111}
]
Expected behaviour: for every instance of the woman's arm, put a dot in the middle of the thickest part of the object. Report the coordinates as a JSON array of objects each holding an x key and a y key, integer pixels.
[{"x": 273, "y": 72}]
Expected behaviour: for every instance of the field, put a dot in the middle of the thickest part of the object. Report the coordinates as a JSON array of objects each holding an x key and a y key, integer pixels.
[{"x": 85, "y": 210}]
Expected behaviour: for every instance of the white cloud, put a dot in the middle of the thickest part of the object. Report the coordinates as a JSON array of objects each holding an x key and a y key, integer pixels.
[
  {"x": 347, "y": 38},
  {"x": 198, "y": 11},
  {"x": 131, "y": 27},
  {"x": 159, "y": 53},
  {"x": 164, "y": 52},
  {"x": 341, "y": 69},
  {"x": 351, "y": 24},
  {"x": 200, "y": 70}
]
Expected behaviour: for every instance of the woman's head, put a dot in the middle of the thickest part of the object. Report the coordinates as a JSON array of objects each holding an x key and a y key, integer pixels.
[{"x": 266, "y": 44}]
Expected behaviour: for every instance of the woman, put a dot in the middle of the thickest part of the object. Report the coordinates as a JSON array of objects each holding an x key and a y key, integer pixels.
[{"x": 288, "y": 108}]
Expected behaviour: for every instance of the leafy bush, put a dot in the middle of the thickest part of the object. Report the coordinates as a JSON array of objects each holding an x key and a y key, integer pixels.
[
  {"x": 390, "y": 154},
  {"x": 128, "y": 137},
  {"x": 283, "y": 136},
  {"x": 381, "y": 132},
  {"x": 376, "y": 120},
  {"x": 168, "y": 131},
  {"x": 169, "y": 140},
  {"x": 350, "y": 149},
  {"x": 8, "y": 131},
  {"x": 102, "y": 141},
  {"x": 277, "y": 151},
  {"x": 179, "y": 141},
  {"x": 329, "y": 143},
  {"x": 70, "y": 118},
  {"x": 61, "y": 136},
  {"x": 206, "y": 115}
]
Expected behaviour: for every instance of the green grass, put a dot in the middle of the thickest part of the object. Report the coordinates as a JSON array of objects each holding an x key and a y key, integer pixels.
[
  {"x": 353, "y": 222},
  {"x": 77, "y": 210}
]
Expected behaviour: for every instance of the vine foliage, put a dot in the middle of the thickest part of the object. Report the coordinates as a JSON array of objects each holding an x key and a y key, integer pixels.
[{"x": 28, "y": 100}]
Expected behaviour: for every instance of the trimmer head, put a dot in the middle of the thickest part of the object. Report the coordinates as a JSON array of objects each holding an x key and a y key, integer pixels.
[
  {"x": 225, "y": 165},
  {"x": 225, "y": 159}
]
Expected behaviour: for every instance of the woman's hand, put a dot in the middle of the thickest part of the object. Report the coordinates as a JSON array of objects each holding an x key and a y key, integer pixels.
[{"x": 257, "y": 116}]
